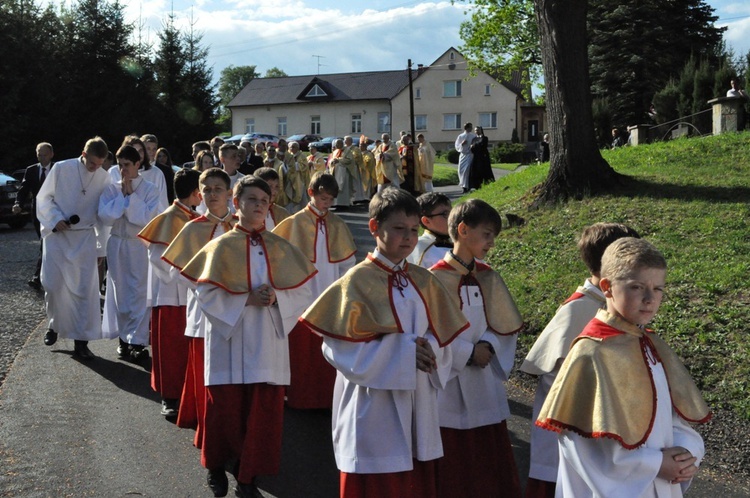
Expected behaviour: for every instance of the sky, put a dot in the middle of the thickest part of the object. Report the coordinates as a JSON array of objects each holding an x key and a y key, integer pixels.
[{"x": 305, "y": 37}]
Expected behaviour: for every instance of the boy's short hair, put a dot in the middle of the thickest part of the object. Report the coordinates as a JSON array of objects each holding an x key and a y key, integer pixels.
[
  {"x": 97, "y": 147},
  {"x": 149, "y": 138},
  {"x": 429, "y": 202},
  {"x": 628, "y": 254},
  {"x": 226, "y": 148},
  {"x": 392, "y": 200},
  {"x": 266, "y": 173},
  {"x": 129, "y": 153},
  {"x": 215, "y": 173},
  {"x": 251, "y": 181},
  {"x": 322, "y": 182},
  {"x": 473, "y": 213},
  {"x": 185, "y": 182},
  {"x": 595, "y": 239},
  {"x": 202, "y": 145}
]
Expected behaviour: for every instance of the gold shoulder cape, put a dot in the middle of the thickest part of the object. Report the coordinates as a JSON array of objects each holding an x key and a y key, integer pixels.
[
  {"x": 191, "y": 239},
  {"x": 301, "y": 229},
  {"x": 278, "y": 213},
  {"x": 359, "y": 307},
  {"x": 223, "y": 262},
  {"x": 165, "y": 227},
  {"x": 500, "y": 310},
  {"x": 605, "y": 388}
]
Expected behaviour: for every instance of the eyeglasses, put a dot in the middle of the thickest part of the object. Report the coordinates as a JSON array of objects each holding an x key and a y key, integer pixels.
[{"x": 444, "y": 214}]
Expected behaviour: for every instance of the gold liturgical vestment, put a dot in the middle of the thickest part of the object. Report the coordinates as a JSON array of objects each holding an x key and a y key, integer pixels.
[
  {"x": 223, "y": 262},
  {"x": 500, "y": 310},
  {"x": 605, "y": 389},
  {"x": 165, "y": 227},
  {"x": 302, "y": 228},
  {"x": 358, "y": 306},
  {"x": 192, "y": 239}
]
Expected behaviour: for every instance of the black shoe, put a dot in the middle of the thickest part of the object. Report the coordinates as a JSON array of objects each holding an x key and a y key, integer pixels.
[
  {"x": 138, "y": 352},
  {"x": 217, "y": 481},
  {"x": 35, "y": 283},
  {"x": 82, "y": 351},
  {"x": 50, "y": 337},
  {"x": 170, "y": 407},
  {"x": 247, "y": 491},
  {"x": 123, "y": 350}
]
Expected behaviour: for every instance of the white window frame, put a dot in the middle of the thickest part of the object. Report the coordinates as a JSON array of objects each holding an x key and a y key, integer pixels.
[
  {"x": 452, "y": 89},
  {"x": 488, "y": 120},
  {"x": 357, "y": 123},
  {"x": 315, "y": 125},
  {"x": 249, "y": 125},
  {"x": 417, "y": 93},
  {"x": 281, "y": 126},
  {"x": 455, "y": 121},
  {"x": 420, "y": 122},
  {"x": 316, "y": 91},
  {"x": 487, "y": 89}
]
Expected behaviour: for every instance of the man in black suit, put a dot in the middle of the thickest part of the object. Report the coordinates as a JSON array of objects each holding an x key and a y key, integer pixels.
[
  {"x": 197, "y": 147},
  {"x": 32, "y": 181}
]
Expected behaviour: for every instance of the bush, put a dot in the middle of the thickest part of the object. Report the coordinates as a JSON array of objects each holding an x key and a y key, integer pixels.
[
  {"x": 452, "y": 156},
  {"x": 507, "y": 153}
]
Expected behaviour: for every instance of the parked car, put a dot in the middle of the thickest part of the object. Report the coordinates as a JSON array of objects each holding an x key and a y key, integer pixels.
[
  {"x": 303, "y": 140},
  {"x": 234, "y": 139},
  {"x": 324, "y": 145},
  {"x": 263, "y": 137},
  {"x": 8, "y": 193}
]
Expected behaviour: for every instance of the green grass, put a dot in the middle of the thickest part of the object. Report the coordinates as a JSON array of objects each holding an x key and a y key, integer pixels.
[
  {"x": 690, "y": 198},
  {"x": 444, "y": 175}
]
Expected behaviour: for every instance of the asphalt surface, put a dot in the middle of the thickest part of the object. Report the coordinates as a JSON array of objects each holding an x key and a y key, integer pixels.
[{"x": 69, "y": 428}]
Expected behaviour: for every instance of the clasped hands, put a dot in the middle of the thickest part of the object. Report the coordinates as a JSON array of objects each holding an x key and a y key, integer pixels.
[
  {"x": 262, "y": 296},
  {"x": 677, "y": 465}
]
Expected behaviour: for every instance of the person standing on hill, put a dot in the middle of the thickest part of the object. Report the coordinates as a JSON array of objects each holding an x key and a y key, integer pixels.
[{"x": 463, "y": 146}]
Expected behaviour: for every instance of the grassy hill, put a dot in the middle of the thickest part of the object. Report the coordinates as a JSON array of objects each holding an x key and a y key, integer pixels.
[{"x": 691, "y": 198}]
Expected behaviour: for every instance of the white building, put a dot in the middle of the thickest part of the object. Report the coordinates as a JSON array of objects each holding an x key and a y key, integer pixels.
[{"x": 371, "y": 103}]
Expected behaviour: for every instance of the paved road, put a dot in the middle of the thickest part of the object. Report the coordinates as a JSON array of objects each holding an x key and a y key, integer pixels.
[{"x": 93, "y": 429}]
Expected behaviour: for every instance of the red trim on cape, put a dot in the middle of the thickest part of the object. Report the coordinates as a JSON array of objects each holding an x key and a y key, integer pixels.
[{"x": 573, "y": 297}]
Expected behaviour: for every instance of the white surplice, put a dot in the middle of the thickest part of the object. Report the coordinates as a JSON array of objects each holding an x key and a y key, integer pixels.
[
  {"x": 544, "y": 360},
  {"x": 465, "y": 157},
  {"x": 426, "y": 254},
  {"x": 385, "y": 410},
  {"x": 126, "y": 310},
  {"x": 248, "y": 344},
  {"x": 328, "y": 272},
  {"x": 153, "y": 175},
  {"x": 69, "y": 262},
  {"x": 602, "y": 468},
  {"x": 475, "y": 397}
]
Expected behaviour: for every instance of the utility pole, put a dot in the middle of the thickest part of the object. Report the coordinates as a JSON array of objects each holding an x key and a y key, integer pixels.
[{"x": 411, "y": 104}]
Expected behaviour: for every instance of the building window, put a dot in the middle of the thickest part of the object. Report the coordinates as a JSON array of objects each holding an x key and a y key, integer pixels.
[
  {"x": 315, "y": 125},
  {"x": 487, "y": 89},
  {"x": 452, "y": 121},
  {"x": 452, "y": 88},
  {"x": 418, "y": 93},
  {"x": 420, "y": 122},
  {"x": 488, "y": 119},
  {"x": 384, "y": 122},
  {"x": 281, "y": 130},
  {"x": 249, "y": 125},
  {"x": 316, "y": 91},
  {"x": 356, "y": 123},
  {"x": 452, "y": 56}
]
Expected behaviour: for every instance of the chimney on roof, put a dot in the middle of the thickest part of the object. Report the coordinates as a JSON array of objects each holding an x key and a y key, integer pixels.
[{"x": 420, "y": 69}]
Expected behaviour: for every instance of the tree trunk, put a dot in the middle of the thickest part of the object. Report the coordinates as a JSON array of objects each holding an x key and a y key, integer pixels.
[{"x": 576, "y": 166}]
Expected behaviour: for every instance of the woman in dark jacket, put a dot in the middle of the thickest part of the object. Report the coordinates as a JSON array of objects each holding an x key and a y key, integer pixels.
[{"x": 481, "y": 169}]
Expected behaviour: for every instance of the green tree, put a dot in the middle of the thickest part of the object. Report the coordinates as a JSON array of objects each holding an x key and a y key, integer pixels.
[
  {"x": 231, "y": 81},
  {"x": 275, "y": 72}
]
